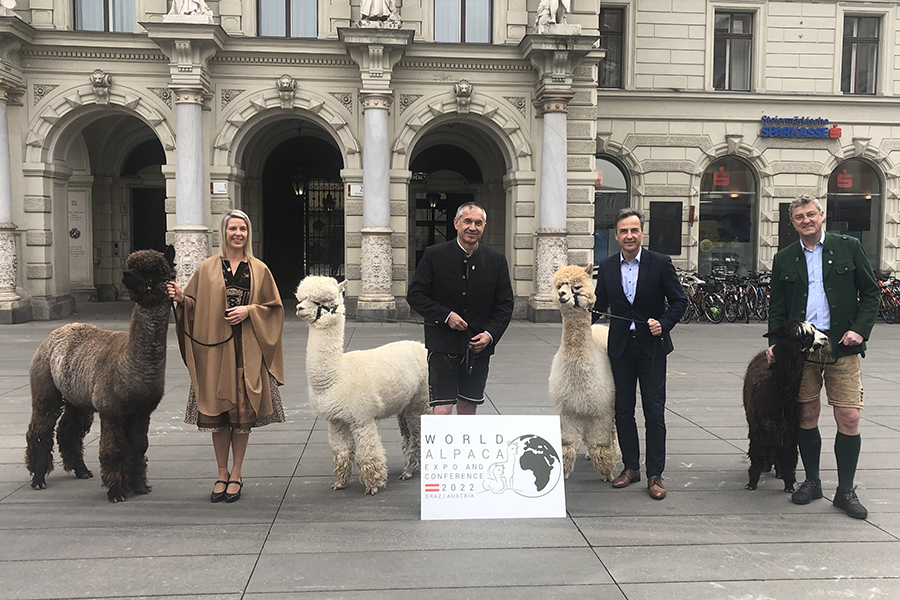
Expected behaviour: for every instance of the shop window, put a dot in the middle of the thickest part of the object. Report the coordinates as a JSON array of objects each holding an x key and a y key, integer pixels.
[
  {"x": 610, "y": 196},
  {"x": 288, "y": 18},
  {"x": 732, "y": 51},
  {"x": 612, "y": 38},
  {"x": 860, "y": 55},
  {"x": 727, "y": 205},
  {"x": 665, "y": 227},
  {"x": 105, "y": 15},
  {"x": 854, "y": 204},
  {"x": 462, "y": 21}
]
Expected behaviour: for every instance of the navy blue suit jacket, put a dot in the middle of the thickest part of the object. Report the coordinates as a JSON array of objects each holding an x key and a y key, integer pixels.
[{"x": 659, "y": 296}]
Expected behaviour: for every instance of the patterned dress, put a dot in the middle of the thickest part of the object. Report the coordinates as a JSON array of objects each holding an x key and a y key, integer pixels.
[{"x": 242, "y": 417}]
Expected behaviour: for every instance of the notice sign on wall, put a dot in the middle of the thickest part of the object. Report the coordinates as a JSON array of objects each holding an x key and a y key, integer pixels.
[{"x": 491, "y": 467}]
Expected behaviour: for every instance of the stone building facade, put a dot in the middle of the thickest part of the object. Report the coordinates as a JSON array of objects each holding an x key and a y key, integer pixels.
[{"x": 351, "y": 143}]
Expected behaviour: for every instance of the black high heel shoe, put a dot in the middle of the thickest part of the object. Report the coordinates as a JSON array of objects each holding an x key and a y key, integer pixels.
[
  {"x": 237, "y": 495},
  {"x": 218, "y": 496}
]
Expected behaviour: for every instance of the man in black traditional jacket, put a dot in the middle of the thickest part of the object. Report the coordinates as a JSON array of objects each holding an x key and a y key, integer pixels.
[{"x": 462, "y": 289}]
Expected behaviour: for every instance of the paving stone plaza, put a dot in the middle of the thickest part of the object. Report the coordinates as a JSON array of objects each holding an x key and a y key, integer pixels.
[{"x": 291, "y": 536}]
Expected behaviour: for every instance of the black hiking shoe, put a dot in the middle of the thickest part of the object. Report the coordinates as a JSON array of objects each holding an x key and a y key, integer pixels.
[
  {"x": 808, "y": 491},
  {"x": 848, "y": 502}
]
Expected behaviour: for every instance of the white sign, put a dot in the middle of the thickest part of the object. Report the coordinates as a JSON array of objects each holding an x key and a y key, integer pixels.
[
  {"x": 491, "y": 467},
  {"x": 218, "y": 187},
  {"x": 354, "y": 190}
]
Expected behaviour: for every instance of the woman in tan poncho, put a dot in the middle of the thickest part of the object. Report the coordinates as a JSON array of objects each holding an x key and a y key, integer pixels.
[{"x": 229, "y": 321}]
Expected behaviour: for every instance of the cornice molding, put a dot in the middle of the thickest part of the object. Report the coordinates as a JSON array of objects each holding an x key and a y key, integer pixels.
[
  {"x": 444, "y": 65},
  {"x": 93, "y": 54},
  {"x": 281, "y": 59}
]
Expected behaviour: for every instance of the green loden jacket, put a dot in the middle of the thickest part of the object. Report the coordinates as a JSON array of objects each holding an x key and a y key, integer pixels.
[{"x": 850, "y": 286}]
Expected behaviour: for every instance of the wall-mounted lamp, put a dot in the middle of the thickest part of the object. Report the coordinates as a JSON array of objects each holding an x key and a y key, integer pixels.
[{"x": 299, "y": 185}]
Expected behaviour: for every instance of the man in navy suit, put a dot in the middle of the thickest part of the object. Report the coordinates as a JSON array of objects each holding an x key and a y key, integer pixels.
[{"x": 645, "y": 300}]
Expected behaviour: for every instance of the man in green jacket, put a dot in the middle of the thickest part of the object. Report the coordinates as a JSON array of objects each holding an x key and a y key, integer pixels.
[{"x": 826, "y": 279}]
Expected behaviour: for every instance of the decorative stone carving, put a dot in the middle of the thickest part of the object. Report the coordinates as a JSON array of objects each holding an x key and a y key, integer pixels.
[
  {"x": 551, "y": 13},
  {"x": 550, "y": 250},
  {"x": 380, "y": 14},
  {"x": 189, "y": 11},
  {"x": 191, "y": 249},
  {"x": 463, "y": 91},
  {"x": 406, "y": 100},
  {"x": 286, "y": 87},
  {"x": 377, "y": 265},
  {"x": 519, "y": 102},
  {"x": 40, "y": 91},
  {"x": 345, "y": 98},
  {"x": 8, "y": 263},
  {"x": 101, "y": 83},
  {"x": 228, "y": 95},
  {"x": 164, "y": 94}
]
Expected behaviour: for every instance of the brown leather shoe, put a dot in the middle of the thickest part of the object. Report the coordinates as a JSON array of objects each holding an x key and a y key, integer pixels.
[
  {"x": 655, "y": 487},
  {"x": 626, "y": 478}
]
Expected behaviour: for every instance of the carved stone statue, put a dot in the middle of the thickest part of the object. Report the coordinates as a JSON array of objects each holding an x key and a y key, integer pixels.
[
  {"x": 101, "y": 83},
  {"x": 189, "y": 11},
  {"x": 379, "y": 13},
  {"x": 286, "y": 87},
  {"x": 7, "y": 8},
  {"x": 463, "y": 91},
  {"x": 551, "y": 12}
]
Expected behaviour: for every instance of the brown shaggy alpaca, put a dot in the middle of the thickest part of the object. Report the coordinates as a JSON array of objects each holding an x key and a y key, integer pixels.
[{"x": 81, "y": 369}]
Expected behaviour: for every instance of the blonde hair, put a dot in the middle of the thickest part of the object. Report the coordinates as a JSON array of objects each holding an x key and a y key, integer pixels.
[{"x": 236, "y": 214}]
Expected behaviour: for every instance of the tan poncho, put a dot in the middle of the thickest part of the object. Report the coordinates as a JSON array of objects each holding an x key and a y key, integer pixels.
[{"x": 213, "y": 369}]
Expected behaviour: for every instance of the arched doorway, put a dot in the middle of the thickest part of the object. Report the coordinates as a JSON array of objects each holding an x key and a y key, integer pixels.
[
  {"x": 303, "y": 211},
  {"x": 114, "y": 197},
  {"x": 452, "y": 164},
  {"x": 854, "y": 204},
  {"x": 728, "y": 205},
  {"x": 610, "y": 196}
]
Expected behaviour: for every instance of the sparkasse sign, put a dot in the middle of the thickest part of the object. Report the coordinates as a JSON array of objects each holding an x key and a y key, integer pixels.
[
  {"x": 491, "y": 467},
  {"x": 798, "y": 127}
]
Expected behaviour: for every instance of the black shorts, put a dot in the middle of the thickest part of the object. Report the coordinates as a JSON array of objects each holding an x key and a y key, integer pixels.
[{"x": 449, "y": 381}]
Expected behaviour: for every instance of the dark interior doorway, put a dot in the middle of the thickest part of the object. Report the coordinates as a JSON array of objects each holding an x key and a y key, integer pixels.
[
  {"x": 303, "y": 212},
  {"x": 148, "y": 213}
]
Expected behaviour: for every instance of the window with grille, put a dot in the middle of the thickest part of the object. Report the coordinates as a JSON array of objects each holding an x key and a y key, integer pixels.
[
  {"x": 459, "y": 21},
  {"x": 860, "y": 55},
  {"x": 732, "y": 51},
  {"x": 612, "y": 34},
  {"x": 288, "y": 18}
]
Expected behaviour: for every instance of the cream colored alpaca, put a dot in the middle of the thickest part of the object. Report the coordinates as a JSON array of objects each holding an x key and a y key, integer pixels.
[
  {"x": 353, "y": 390},
  {"x": 581, "y": 380}
]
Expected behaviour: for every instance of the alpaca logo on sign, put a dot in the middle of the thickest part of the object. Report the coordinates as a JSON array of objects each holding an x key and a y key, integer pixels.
[{"x": 532, "y": 468}]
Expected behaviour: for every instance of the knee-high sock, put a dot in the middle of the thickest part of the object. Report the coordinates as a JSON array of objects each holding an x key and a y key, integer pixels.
[
  {"x": 846, "y": 452},
  {"x": 810, "y": 443}
]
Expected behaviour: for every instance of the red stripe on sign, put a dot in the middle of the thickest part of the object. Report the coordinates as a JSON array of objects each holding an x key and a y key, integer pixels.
[{"x": 432, "y": 488}]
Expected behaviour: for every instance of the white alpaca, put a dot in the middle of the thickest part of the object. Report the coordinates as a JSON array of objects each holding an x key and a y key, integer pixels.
[
  {"x": 581, "y": 380},
  {"x": 353, "y": 390}
]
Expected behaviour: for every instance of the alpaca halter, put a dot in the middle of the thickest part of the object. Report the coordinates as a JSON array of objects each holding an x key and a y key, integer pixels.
[{"x": 324, "y": 308}]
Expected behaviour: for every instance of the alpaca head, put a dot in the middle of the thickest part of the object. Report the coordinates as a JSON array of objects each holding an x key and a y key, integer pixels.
[
  {"x": 799, "y": 334},
  {"x": 146, "y": 274},
  {"x": 572, "y": 287},
  {"x": 320, "y": 301}
]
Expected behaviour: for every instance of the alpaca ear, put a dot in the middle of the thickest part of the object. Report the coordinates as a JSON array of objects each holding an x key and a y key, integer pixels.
[
  {"x": 559, "y": 264},
  {"x": 342, "y": 286},
  {"x": 170, "y": 254},
  {"x": 589, "y": 269}
]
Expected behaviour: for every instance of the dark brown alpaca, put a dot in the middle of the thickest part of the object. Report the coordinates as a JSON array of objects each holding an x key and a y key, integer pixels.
[
  {"x": 81, "y": 369},
  {"x": 770, "y": 401}
]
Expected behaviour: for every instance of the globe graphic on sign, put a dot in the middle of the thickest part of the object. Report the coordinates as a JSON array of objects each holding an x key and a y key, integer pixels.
[{"x": 537, "y": 468}]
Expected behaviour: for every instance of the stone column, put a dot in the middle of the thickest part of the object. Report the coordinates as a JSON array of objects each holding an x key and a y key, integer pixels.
[
  {"x": 376, "y": 51},
  {"x": 554, "y": 53},
  {"x": 191, "y": 233},
  {"x": 12, "y": 308},
  {"x": 550, "y": 244},
  {"x": 376, "y": 299}
]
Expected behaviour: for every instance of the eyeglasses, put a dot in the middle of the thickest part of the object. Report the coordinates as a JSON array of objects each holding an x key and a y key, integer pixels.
[{"x": 799, "y": 218}]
